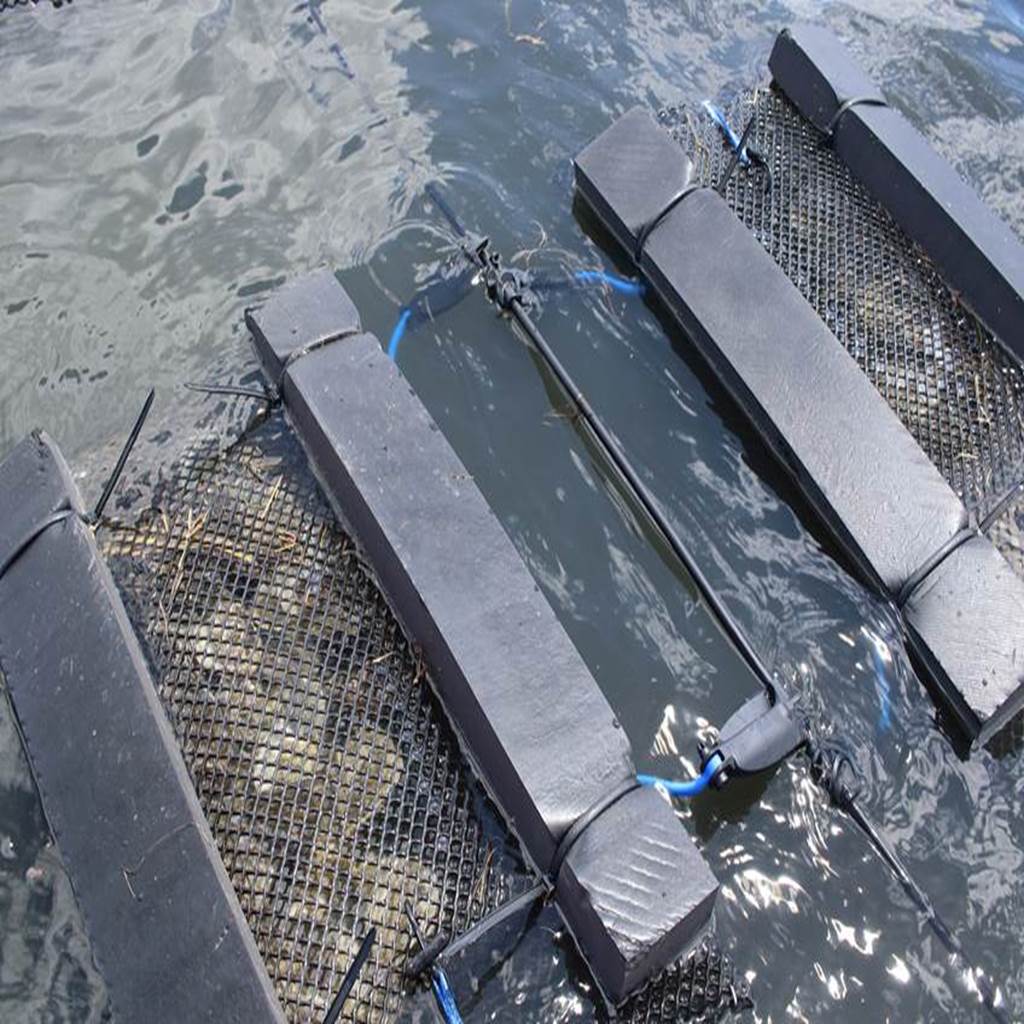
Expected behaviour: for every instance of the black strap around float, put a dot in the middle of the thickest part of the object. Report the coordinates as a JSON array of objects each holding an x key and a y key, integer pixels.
[
  {"x": 849, "y": 104},
  {"x": 32, "y": 534},
  {"x": 646, "y": 230}
]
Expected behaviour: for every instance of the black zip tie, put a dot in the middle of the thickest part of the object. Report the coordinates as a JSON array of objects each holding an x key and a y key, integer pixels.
[
  {"x": 233, "y": 390},
  {"x": 930, "y": 564},
  {"x": 853, "y": 101},
  {"x": 123, "y": 457},
  {"x": 582, "y": 823},
  {"x": 1007, "y": 499},
  {"x": 314, "y": 346},
  {"x": 351, "y": 977},
  {"x": 57, "y": 516},
  {"x": 498, "y": 916},
  {"x": 736, "y": 153},
  {"x": 646, "y": 230}
]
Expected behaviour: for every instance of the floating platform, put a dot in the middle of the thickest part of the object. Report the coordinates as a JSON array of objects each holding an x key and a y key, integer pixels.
[{"x": 781, "y": 269}]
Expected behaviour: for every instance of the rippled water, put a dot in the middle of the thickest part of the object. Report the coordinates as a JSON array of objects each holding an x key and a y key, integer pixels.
[{"x": 164, "y": 164}]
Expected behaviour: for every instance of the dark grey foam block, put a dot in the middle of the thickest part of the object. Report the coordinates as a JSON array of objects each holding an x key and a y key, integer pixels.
[
  {"x": 852, "y": 457},
  {"x": 977, "y": 252},
  {"x": 966, "y": 622},
  {"x": 807, "y": 395},
  {"x": 617, "y": 891},
  {"x": 306, "y": 313},
  {"x": 165, "y": 927},
  {"x": 529, "y": 713}
]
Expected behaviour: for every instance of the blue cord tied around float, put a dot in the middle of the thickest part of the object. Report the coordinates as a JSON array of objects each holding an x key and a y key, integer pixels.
[{"x": 691, "y": 787}]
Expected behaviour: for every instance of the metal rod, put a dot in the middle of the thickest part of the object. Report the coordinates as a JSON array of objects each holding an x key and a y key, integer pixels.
[{"x": 617, "y": 457}]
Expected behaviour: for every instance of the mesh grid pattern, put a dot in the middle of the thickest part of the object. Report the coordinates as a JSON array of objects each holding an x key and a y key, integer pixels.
[
  {"x": 956, "y": 390},
  {"x": 333, "y": 787},
  {"x": 333, "y": 791}
]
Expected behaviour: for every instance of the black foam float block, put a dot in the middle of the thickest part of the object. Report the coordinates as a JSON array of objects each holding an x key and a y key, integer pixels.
[
  {"x": 529, "y": 714},
  {"x": 868, "y": 479},
  {"x": 633, "y": 894},
  {"x": 805, "y": 393},
  {"x": 305, "y": 313},
  {"x": 966, "y": 623},
  {"x": 169, "y": 937},
  {"x": 977, "y": 252}
]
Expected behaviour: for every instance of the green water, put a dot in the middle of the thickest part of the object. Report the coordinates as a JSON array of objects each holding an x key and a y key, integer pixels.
[{"x": 163, "y": 165}]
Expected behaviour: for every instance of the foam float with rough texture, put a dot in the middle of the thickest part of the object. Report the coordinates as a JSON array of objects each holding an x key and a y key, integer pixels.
[
  {"x": 977, "y": 252},
  {"x": 168, "y": 935},
  {"x": 882, "y": 498}
]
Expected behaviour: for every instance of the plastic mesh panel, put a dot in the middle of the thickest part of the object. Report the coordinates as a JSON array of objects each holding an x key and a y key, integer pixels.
[
  {"x": 333, "y": 787},
  {"x": 703, "y": 988},
  {"x": 957, "y": 391}
]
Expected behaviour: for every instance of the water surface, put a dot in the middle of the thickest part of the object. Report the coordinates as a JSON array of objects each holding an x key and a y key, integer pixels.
[{"x": 165, "y": 164}]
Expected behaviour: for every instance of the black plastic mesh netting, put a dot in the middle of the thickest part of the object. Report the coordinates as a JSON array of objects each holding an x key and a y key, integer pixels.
[
  {"x": 332, "y": 789},
  {"x": 332, "y": 784},
  {"x": 955, "y": 388}
]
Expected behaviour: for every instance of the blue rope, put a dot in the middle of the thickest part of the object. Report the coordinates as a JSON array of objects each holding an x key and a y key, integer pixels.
[
  {"x": 620, "y": 284},
  {"x": 719, "y": 118},
  {"x": 396, "y": 334},
  {"x": 444, "y": 996},
  {"x": 684, "y": 789},
  {"x": 877, "y": 644}
]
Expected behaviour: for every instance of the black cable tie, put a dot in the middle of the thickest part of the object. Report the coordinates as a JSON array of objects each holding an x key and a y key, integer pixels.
[
  {"x": 232, "y": 390},
  {"x": 849, "y": 104},
  {"x": 351, "y": 977},
  {"x": 930, "y": 564},
  {"x": 122, "y": 459},
  {"x": 582, "y": 823},
  {"x": 1005, "y": 501},
  {"x": 486, "y": 924},
  {"x": 647, "y": 229},
  {"x": 32, "y": 534},
  {"x": 314, "y": 346}
]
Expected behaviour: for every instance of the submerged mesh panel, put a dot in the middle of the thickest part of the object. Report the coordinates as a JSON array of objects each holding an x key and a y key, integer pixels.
[
  {"x": 956, "y": 390},
  {"x": 332, "y": 788},
  {"x": 332, "y": 785}
]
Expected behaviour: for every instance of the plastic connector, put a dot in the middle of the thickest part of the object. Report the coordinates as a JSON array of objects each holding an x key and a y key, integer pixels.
[{"x": 760, "y": 735}]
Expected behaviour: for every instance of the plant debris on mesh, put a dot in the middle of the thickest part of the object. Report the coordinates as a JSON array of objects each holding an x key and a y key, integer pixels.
[
  {"x": 332, "y": 789},
  {"x": 958, "y": 392},
  {"x": 333, "y": 786}
]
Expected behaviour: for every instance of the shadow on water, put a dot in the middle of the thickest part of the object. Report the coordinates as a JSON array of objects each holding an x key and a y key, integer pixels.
[{"x": 163, "y": 166}]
